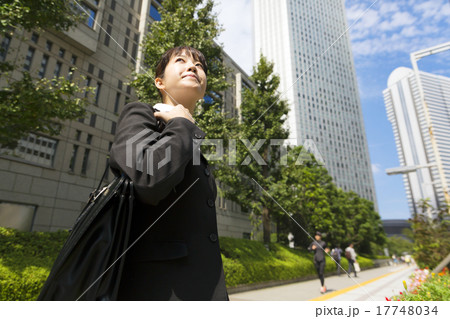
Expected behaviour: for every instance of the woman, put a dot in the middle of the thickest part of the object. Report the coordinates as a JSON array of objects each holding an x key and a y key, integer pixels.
[
  {"x": 320, "y": 248},
  {"x": 178, "y": 258}
]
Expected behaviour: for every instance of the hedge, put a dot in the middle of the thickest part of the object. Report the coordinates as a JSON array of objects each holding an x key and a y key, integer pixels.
[
  {"x": 25, "y": 261},
  {"x": 27, "y": 257},
  {"x": 248, "y": 262}
]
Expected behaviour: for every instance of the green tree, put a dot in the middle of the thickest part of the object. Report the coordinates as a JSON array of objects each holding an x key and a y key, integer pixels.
[
  {"x": 303, "y": 192},
  {"x": 258, "y": 158},
  {"x": 431, "y": 235},
  {"x": 398, "y": 245},
  {"x": 191, "y": 23},
  {"x": 28, "y": 104}
]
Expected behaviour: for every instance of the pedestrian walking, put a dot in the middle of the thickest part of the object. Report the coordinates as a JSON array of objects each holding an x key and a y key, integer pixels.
[
  {"x": 350, "y": 254},
  {"x": 178, "y": 256},
  {"x": 336, "y": 253},
  {"x": 320, "y": 248}
]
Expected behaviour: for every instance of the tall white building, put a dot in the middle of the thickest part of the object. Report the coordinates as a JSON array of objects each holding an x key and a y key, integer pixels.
[
  {"x": 308, "y": 42},
  {"x": 405, "y": 112}
]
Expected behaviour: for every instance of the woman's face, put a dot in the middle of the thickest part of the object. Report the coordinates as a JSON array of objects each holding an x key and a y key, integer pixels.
[{"x": 184, "y": 79}]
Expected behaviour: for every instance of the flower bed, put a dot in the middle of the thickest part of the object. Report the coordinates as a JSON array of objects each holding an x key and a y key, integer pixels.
[{"x": 426, "y": 286}]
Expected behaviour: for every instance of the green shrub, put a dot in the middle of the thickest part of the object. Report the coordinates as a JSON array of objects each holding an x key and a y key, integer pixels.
[
  {"x": 25, "y": 261},
  {"x": 247, "y": 262},
  {"x": 27, "y": 257}
]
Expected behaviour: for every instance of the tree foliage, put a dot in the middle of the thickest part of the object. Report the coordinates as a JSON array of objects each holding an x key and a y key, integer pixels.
[
  {"x": 315, "y": 203},
  {"x": 191, "y": 23},
  {"x": 258, "y": 170},
  {"x": 431, "y": 235},
  {"x": 29, "y": 104}
]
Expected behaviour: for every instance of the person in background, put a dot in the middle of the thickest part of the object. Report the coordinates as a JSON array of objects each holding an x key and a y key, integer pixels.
[
  {"x": 336, "y": 253},
  {"x": 320, "y": 248},
  {"x": 351, "y": 257}
]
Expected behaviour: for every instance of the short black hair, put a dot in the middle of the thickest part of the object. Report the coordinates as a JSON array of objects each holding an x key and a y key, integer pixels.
[{"x": 165, "y": 58}]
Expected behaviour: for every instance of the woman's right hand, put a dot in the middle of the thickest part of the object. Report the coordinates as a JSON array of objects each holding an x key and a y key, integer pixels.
[{"x": 177, "y": 111}]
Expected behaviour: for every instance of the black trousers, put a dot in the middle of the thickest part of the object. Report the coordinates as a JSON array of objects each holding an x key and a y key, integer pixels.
[{"x": 320, "y": 267}]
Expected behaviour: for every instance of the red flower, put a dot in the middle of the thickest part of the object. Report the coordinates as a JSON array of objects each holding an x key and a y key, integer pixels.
[{"x": 387, "y": 299}]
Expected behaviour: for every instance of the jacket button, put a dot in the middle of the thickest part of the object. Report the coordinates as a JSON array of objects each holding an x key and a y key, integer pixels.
[
  {"x": 206, "y": 172},
  {"x": 213, "y": 237},
  {"x": 197, "y": 135},
  {"x": 211, "y": 203}
]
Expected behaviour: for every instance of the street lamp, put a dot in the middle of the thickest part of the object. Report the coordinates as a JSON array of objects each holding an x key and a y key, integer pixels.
[{"x": 406, "y": 169}]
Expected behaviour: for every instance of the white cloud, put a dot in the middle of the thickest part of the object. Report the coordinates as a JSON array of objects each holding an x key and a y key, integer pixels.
[
  {"x": 387, "y": 7},
  {"x": 376, "y": 168},
  {"x": 398, "y": 26}
]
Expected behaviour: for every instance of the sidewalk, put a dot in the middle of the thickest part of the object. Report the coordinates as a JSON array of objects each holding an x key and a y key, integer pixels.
[{"x": 373, "y": 284}]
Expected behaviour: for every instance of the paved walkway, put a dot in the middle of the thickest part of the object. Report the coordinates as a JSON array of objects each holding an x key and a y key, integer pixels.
[{"x": 371, "y": 285}]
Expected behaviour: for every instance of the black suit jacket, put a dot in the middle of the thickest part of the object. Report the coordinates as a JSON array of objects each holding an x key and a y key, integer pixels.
[{"x": 178, "y": 258}]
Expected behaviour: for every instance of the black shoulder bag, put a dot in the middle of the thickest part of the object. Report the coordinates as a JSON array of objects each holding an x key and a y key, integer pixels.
[{"x": 90, "y": 264}]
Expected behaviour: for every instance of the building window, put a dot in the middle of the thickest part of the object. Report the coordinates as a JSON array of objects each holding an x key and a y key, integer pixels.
[
  {"x": 43, "y": 68},
  {"x": 97, "y": 92},
  {"x": 36, "y": 149},
  {"x": 70, "y": 74},
  {"x": 73, "y": 158},
  {"x": 34, "y": 38},
  {"x": 28, "y": 59},
  {"x": 4, "y": 48},
  {"x": 49, "y": 45},
  {"x": 113, "y": 128},
  {"x": 93, "y": 120},
  {"x": 134, "y": 52},
  {"x": 17, "y": 216},
  {"x": 89, "y": 139},
  {"x": 107, "y": 35},
  {"x": 116, "y": 103},
  {"x": 91, "y": 15},
  {"x": 77, "y": 135},
  {"x": 125, "y": 48},
  {"x": 154, "y": 14},
  {"x": 61, "y": 53},
  {"x": 85, "y": 161},
  {"x": 57, "y": 69},
  {"x": 73, "y": 60}
]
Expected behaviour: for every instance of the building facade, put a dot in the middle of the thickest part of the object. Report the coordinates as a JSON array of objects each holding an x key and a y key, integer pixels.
[
  {"x": 46, "y": 180},
  {"x": 406, "y": 114},
  {"x": 308, "y": 42}
]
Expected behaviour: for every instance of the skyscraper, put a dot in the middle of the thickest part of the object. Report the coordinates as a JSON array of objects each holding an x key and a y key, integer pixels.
[
  {"x": 406, "y": 114},
  {"x": 308, "y": 42}
]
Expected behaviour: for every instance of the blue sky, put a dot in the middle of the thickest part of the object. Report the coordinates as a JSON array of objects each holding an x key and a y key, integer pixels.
[{"x": 382, "y": 40}]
